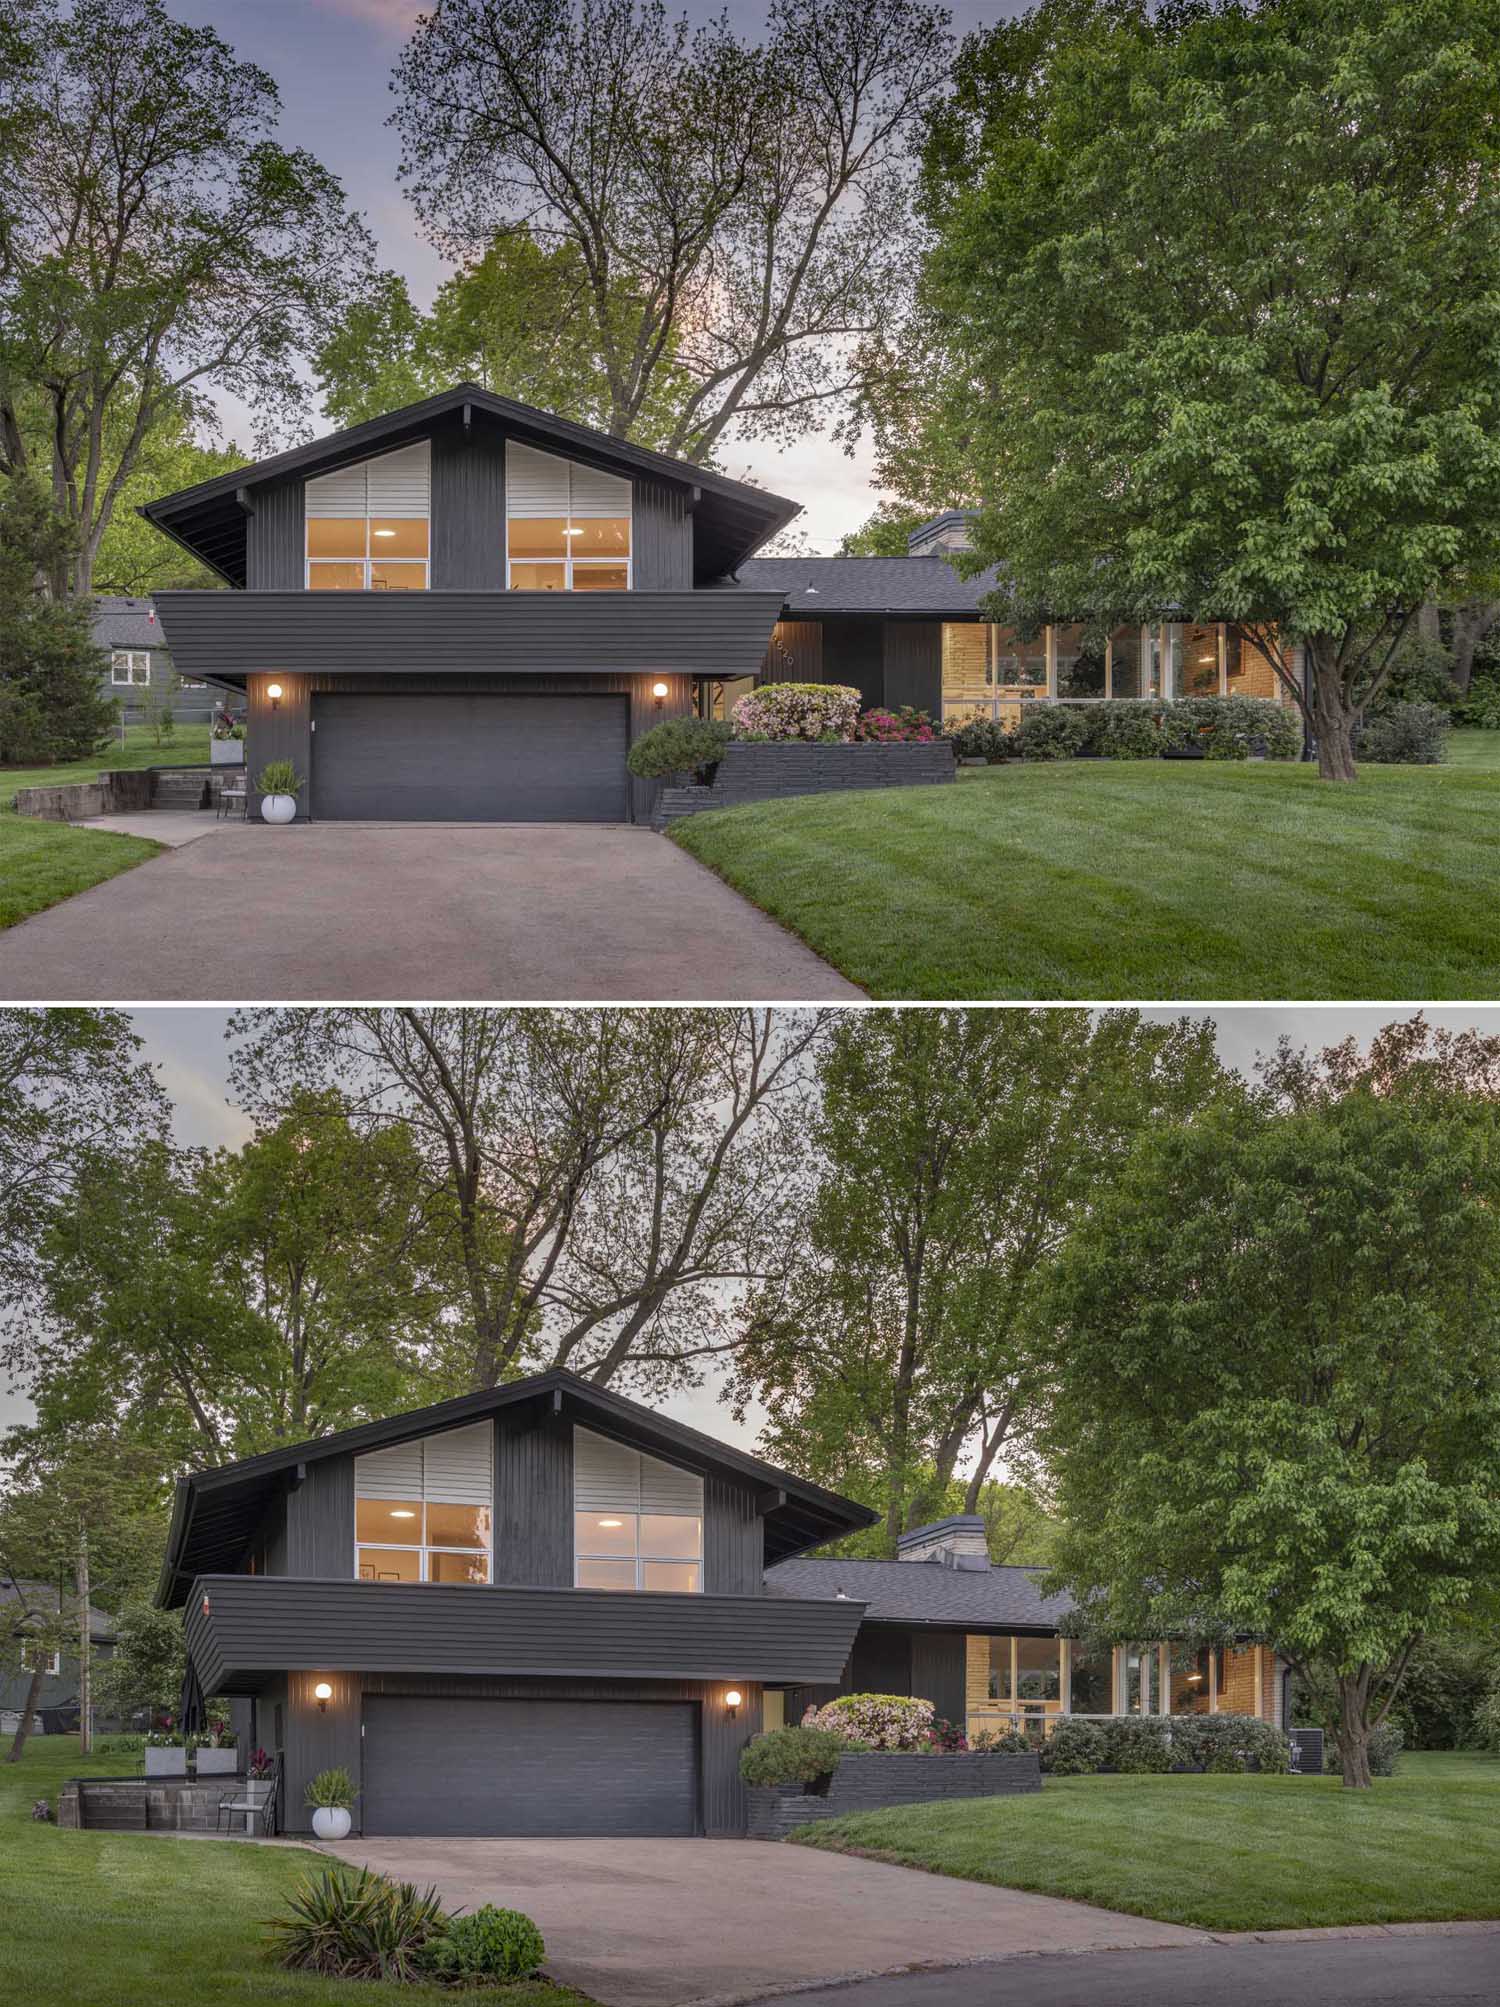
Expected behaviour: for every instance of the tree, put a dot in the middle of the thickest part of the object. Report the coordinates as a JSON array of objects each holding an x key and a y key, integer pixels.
[
  {"x": 52, "y": 706},
  {"x": 611, "y": 1182},
  {"x": 144, "y": 1675},
  {"x": 884, "y": 534},
  {"x": 956, "y": 1150},
  {"x": 155, "y": 244},
  {"x": 1277, "y": 1355},
  {"x": 134, "y": 556},
  {"x": 738, "y": 215},
  {"x": 1181, "y": 305}
]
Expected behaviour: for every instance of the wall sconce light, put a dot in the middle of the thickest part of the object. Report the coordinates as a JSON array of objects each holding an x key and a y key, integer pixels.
[
  {"x": 323, "y": 1693},
  {"x": 273, "y": 691},
  {"x": 732, "y": 1701},
  {"x": 659, "y": 692}
]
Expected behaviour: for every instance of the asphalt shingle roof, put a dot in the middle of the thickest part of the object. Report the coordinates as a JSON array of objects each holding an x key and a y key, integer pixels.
[
  {"x": 126, "y": 623},
  {"x": 925, "y": 1592},
  {"x": 42, "y": 1596},
  {"x": 815, "y": 585}
]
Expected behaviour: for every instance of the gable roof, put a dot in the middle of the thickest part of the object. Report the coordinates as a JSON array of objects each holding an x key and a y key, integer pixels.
[
  {"x": 122, "y": 622},
  {"x": 42, "y": 1597},
  {"x": 926, "y": 1592},
  {"x": 811, "y": 587},
  {"x": 731, "y": 518},
  {"x": 217, "y": 1512}
]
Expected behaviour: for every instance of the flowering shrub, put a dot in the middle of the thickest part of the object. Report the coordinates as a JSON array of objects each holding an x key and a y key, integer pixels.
[
  {"x": 798, "y": 711},
  {"x": 880, "y": 1720},
  {"x": 900, "y": 727},
  {"x": 948, "y": 1735}
]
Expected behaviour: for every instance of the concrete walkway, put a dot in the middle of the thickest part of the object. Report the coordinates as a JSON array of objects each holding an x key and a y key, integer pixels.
[
  {"x": 171, "y": 827},
  {"x": 342, "y": 911},
  {"x": 664, "y": 1923}
]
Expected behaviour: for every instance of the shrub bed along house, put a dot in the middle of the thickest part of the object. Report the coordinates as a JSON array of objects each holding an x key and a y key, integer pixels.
[
  {"x": 347, "y": 1924},
  {"x": 1133, "y": 1745}
]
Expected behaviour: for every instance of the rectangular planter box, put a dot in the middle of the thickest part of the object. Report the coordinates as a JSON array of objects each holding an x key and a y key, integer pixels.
[
  {"x": 226, "y": 752},
  {"x": 166, "y": 1762},
  {"x": 776, "y": 768},
  {"x": 216, "y": 1762},
  {"x": 865, "y": 1782}
]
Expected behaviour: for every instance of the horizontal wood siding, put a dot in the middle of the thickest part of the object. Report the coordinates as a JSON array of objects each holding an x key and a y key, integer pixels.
[
  {"x": 794, "y": 653},
  {"x": 468, "y": 509},
  {"x": 914, "y": 664},
  {"x": 275, "y": 546},
  {"x": 534, "y": 1500},
  {"x": 661, "y": 538}
]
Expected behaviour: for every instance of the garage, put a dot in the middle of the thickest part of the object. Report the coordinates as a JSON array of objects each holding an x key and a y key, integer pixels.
[
  {"x": 460, "y": 757},
  {"x": 538, "y": 1769}
]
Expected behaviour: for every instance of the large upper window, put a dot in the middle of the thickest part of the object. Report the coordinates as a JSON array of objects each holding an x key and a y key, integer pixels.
[
  {"x": 367, "y": 526},
  {"x": 567, "y": 528},
  {"x": 637, "y": 1522},
  {"x": 422, "y": 1510}
]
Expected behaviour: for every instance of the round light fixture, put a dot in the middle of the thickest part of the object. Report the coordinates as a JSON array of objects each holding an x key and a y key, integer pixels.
[
  {"x": 733, "y": 1697},
  {"x": 323, "y": 1690},
  {"x": 658, "y": 689},
  {"x": 273, "y": 691}
]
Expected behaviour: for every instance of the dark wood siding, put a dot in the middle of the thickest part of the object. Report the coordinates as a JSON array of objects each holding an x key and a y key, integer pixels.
[
  {"x": 320, "y": 1520},
  {"x": 468, "y": 509},
  {"x": 534, "y": 1501},
  {"x": 733, "y": 1539},
  {"x": 914, "y": 664},
  {"x": 854, "y": 652},
  {"x": 937, "y": 1672},
  {"x": 275, "y": 551},
  {"x": 279, "y": 731},
  {"x": 794, "y": 653},
  {"x": 880, "y": 1662},
  {"x": 661, "y": 534}
]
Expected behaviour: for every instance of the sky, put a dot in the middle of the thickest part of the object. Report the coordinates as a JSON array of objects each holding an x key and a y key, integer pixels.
[
  {"x": 332, "y": 59},
  {"x": 188, "y": 1047}
]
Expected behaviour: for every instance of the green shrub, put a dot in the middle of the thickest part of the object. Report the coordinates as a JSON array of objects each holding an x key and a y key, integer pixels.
[
  {"x": 1408, "y": 735},
  {"x": 1227, "y": 1744},
  {"x": 1422, "y": 673},
  {"x": 279, "y": 777},
  {"x": 1050, "y": 732},
  {"x": 1485, "y": 1733},
  {"x": 680, "y": 746},
  {"x": 792, "y": 1756},
  {"x": 357, "y": 1926},
  {"x": 330, "y": 1790},
  {"x": 1075, "y": 1748},
  {"x": 120, "y": 1745},
  {"x": 1137, "y": 1744},
  {"x": 1386, "y": 1744},
  {"x": 490, "y": 1943},
  {"x": 1232, "y": 728},
  {"x": 1007, "y": 1742},
  {"x": 1479, "y": 708},
  {"x": 1124, "y": 729},
  {"x": 980, "y": 739}
]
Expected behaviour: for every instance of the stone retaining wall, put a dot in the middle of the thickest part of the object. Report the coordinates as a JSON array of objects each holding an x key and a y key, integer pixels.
[
  {"x": 865, "y": 1782},
  {"x": 115, "y": 793},
  {"x": 751, "y": 771},
  {"x": 144, "y": 1804}
]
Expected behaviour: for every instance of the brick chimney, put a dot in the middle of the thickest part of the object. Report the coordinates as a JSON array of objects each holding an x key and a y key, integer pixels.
[{"x": 951, "y": 1543}]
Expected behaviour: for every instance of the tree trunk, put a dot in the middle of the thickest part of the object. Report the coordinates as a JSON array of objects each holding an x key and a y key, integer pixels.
[
  {"x": 1472, "y": 622},
  {"x": 28, "y": 1713},
  {"x": 85, "y": 1652},
  {"x": 1353, "y": 1735},
  {"x": 1334, "y": 719}
]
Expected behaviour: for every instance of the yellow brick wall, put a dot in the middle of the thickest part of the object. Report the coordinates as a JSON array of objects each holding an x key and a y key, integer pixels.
[{"x": 1248, "y": 1685}]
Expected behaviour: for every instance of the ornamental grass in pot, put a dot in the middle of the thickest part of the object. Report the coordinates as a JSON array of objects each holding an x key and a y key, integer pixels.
[{"x": 331, "y": 1796}]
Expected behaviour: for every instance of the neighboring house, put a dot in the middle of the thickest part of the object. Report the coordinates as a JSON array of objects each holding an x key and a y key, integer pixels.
[
  {"x": 57, "y": 1701},
  {"x": 546, "y": 1609},
  {"x": 467, "y": 609},
  {"x": 140, "y": 667}
]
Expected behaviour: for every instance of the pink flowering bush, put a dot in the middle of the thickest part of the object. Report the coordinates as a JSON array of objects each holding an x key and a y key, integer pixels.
[
  {"x": 905, "y": 726},
  {"x": 798, "y": 711},
  {"x": 877, "y": 1720}
]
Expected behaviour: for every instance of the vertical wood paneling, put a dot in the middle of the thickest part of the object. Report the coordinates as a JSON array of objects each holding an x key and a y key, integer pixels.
[
  {"x": 733, "y": 1539},
  {"x": 320, "y": 1520},
  {"x": 914, "y": 664},
  {"x": 317, "y": 1738},
  {"x": 938, "y": 1664},
  {"x": 279, "y": 733},
  {"x": 661, "y": 534},
  {"x": 533, "y": 1501},
  {"x": 468, "y": 508},
  {"x": 275, "y": 549},
  {"x": 794, "y": 654},
  {"x": 854, "y": 652},
  {"x": 644, "y": 713}
]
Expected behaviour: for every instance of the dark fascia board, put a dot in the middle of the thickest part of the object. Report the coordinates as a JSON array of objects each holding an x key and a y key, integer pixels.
[
  {"x": 631, "y": 1419},
  {"x": 355, "y": 441}
]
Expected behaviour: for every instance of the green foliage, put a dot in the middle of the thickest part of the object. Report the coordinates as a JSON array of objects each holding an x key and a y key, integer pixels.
[
  {"x": 980, "y": 739},
  {"x": 680, "y": 746},
  {"x": 1227, "y": 1744},
  {"x": 792, "y": 1756},
  {"x": 279, "y": 777},
  {"x": 134, "y": 556},
  {"x": 330, "y": 1791},
  {"x": 1232, "y": 728},
  {"x": 798, "y": 711},
  {"x": 876, "y": 1720},
  {"x": 1406, "y": 735},
  {"x": 1385, "y": 1746},
  {"x": 1012, "y": 1742},
  {"x": 1075, "y": 1748},
  {"x": 1124, "y": 729},
  {"x": 1486, "y": 1726},
  {"x": 145, "y": 1671},
  {"x": 1137, "y": 1745},
  {"x": 1421, "y": 673},
  {"x": 1480, "y": 708},
  {"x": 1050, "y": 732},
  {"x": 887, "y": 533},
  {"x": 488, "y": 1944},
  {"x": 357, "y": 1926},
  {"x": 51, "y": 704}
]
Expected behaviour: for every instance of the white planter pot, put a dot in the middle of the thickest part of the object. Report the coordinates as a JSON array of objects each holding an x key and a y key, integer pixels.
[
  {"x": 166, "y": 1762},
  {"x": 278, "y": 807},
  {"x": 226, "y": 752},
  {"x": 331, "y": 1822},
  {"x": 216, "y": 1762}
]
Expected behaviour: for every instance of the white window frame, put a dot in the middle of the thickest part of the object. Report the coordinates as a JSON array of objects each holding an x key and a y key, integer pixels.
[
  {"x": 130, "y": 659},
  {"x": 642, "y": 1560},
  {"x": 567, "y": 560},
  {"x": 369, "y": 514},
  {"x": 28, "y": 1651},
  {"x": 422, "y": 1547},
  {"x": 632, "y": 1497}
]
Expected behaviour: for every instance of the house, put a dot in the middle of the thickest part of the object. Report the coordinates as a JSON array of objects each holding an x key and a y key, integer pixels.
[
  {"x": 466, "y": 610},
  {"x": 548, "y": 1610},
  {"x": 140, "y": 668},
  {"x": 27, "y": 1607}
]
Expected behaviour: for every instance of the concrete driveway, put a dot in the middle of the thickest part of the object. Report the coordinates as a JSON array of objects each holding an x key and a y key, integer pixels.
[
  {"x": 413, "y": 912},
  {"x": 662, "y": 1923}
]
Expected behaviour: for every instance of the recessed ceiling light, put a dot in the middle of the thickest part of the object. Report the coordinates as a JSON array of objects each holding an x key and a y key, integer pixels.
[
  {"x": 397, "y": 1514},
  {"x": 385, "y": 533},
  {"x": 611, "y": 1522}
]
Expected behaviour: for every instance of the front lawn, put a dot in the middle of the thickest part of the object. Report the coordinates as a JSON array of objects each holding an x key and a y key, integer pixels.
[
  {"x": 130, "y": 1920},
  {"x": 188, "y": 748},
  {"x": 1102, "y": 879},
  {"x": 43, "y": 862},
  {"x": 1220, "y": 1853}
]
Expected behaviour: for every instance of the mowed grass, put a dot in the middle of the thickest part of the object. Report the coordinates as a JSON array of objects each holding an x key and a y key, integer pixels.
[
  {"x": 1220, "y": 1853},
  {"x": 188, "y": 747},
  {"x": 1102, "y": 879},
  {"x": 1474, "y": 749},
  {"x": 136, "y": 1920},
  {"x": 44, "y": 862}
]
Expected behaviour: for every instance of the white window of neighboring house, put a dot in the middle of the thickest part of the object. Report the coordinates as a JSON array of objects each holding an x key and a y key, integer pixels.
[
  {"x": 368, "y": 526},
  {"x": 637, "y": 1522},
  {"x": 567, "y": 528},
  {"x": 191, "y": 683},
  {"x": 130, "y": 665},
  {"x": 423, "y": 1510},
  {"x": 35, "y": 1658}
]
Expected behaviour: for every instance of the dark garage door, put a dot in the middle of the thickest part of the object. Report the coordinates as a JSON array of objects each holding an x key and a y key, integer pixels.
[
  {"x": 541, "y": 1769},
  {"x": 459, "y": 758}
]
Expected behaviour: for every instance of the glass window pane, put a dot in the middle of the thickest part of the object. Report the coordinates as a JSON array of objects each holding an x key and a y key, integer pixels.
[
  {"x": 1000, "y": 1669},
  {"x": 1140, "y": 1666},
  {"x": 457, "y": 1568},
  {"x": 1125, "y": 663},
  {"x": 537, "y": 536},
  {"x": 606, "y": 1574},
  {"x": 1195, "y": 653},
  {"x": 1038, "y": 1671},
  {"x": 1020, "y": 666},
  {"x": 1080, "y": 663},
  {"x": 600, "y": 578},
  {"x": 335, "y": 578},
  {"x": 390, "y": 1519},
  {"x": 1092, "y": 1677},
  {"x": 604, "y": 1532},
  {"x": 1188, "y": 1674},
  {"x": 538, "y": 578},
  {"x": 398, "y": 578},
  {"x": 398, "y": 537},
  {"x": 671, "y": 1536},
  {"x": 675, "y": 1577},
  {"x": 390, "y": 1564},
  {"x": 335, "y": 536},
  {"x": 458, "y": 1525},
  {"x": 600, "y": 536}
]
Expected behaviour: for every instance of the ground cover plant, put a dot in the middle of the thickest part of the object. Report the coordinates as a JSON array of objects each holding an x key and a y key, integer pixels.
[
  {"x": 1153, "y": 878},
  {"x": 1219, "y": 1853},
  {"x": 138, "y": 749},
  {"x": 42, "y": 863}
]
